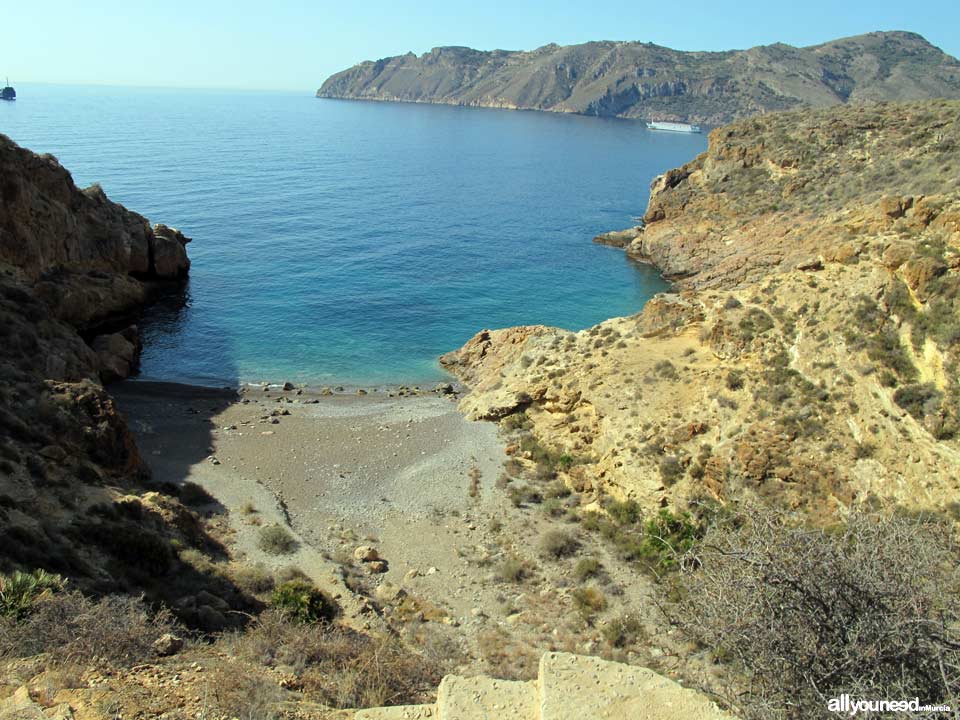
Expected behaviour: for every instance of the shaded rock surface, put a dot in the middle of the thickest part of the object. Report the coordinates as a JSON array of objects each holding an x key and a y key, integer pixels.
[{"x": 74, "y": 267}]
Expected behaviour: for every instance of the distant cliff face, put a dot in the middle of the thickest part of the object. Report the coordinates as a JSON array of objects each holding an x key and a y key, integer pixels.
[{"x": 642, "y": 80}]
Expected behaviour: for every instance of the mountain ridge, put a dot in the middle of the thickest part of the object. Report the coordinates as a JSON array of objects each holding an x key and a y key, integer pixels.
[{"x": 643, "y": 80}]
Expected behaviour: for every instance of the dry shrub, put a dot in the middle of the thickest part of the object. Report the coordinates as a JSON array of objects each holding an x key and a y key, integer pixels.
[
  {"x": 558, "y": 544},
  {"x": 276, "y": 540},
  {"x": 114, "y": 631},
  {"x": 236, "y": 691},
  {"x": 869, "y": 608},
  {"x": 338, "y": 666},
  {"x": 255, "y": 579},
  {"x": 507, "y": 657}
]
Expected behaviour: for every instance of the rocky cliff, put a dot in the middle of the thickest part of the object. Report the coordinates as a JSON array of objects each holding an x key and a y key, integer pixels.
[
  {"x": 75, "y": 269},
  {"x": 643, "y": 80},
  {"x": 809, "y": 356}
]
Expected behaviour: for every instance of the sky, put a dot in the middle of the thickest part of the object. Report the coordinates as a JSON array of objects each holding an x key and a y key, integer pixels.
[{"x": 295, "y": 44}]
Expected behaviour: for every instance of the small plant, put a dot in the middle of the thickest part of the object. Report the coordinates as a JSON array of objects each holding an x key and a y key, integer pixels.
[
  {"x": 623, "y": 631},
  {"x": 474, "y": 476},
  {"x": 302, "y": 602},
  {"x": 566, "y": 461},
  {"x": 254, "y": 579},
  {"x": 624, "y": 513},
  {"x": 556, "y": 489},
  {"x": 670, "y": 470},
  {"x": 276, "y": 540},
  {"x": 665, "y": 369},
  {"x": 587, "y": 568},
  {"x": 557, "y": 544},
  {"x": 734, "y": 380},
  {"x": 589, "y": 601},
  {"x": 19, "y": 590},
  {"x": 513, "y": 570},
  {"x": 524, "y": 495}
]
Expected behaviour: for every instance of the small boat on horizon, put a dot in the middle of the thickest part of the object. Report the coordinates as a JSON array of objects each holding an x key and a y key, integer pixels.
[
  {"x": 673, "y": 126},
  {"x": 8, "y": 93}
]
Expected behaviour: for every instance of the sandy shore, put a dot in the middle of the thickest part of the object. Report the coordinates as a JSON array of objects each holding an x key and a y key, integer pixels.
[
  {"x": 346, "y": 470},
  {"x": 340, "y": 470}
]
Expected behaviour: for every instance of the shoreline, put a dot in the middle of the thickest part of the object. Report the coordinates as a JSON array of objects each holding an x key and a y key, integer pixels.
[{"x": 451, "y": 387}]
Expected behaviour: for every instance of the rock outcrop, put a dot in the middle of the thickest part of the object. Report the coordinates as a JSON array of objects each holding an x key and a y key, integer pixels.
[
  {"x": 643, "y": 80},
  {"x": 568, "y": 687},
  {"x": 74, "y": 267},
  {"x": 810, "y": 356}
]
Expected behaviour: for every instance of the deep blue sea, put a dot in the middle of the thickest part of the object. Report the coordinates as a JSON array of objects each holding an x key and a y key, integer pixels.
[{"x": 352, "y": 242}]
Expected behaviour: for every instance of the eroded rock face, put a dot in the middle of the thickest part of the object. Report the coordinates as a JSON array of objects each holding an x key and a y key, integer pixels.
[
  {"x": 810, "y": 358},
  {"x": 71, "y": 260}
]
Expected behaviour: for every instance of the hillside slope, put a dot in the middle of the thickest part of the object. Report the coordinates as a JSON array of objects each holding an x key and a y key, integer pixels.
[
  {"x": 810, "y": 356},
  {"x": 642, "y": 80}
]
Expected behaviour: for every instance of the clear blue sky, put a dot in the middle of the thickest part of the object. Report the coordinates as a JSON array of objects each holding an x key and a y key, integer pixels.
[{"x": 296, "y": 44}]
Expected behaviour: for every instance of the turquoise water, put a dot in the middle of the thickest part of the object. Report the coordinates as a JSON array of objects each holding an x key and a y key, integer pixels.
[{"x": 355, "y": 242}]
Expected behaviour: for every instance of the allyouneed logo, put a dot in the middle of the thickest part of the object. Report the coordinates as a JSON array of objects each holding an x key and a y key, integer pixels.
[{"x": 848, "y": 706}]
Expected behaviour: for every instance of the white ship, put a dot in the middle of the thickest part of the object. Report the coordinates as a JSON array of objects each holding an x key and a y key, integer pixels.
[{"x": 674, "y": 127}]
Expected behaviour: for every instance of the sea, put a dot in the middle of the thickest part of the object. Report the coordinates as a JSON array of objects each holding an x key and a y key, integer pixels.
[{"x": 346, "y": 242}]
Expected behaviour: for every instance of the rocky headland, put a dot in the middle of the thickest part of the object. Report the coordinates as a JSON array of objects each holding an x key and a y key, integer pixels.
[
  {"x": 643, "y": 80},
  {"x": 808, "y": 357}
]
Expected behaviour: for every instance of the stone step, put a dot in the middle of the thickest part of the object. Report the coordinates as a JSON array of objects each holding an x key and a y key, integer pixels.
[
  {"x": 575, "y": 687},
  {"x": 484, "y": 698},
  {"x": 398, "y": 712}
]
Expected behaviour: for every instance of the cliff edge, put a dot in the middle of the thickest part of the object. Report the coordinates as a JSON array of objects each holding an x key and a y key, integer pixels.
[{"x": 75, "y": 270}]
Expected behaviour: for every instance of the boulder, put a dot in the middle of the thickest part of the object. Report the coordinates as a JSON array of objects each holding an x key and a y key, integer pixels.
[
  {"x": 170, "y": 260},
  {"x": 366, "y": 553},
  {"x": 118, "y": 353},
  {"x": 375, "y": 567},
  {"x": 895, "y": 207},
  {"x": 167, "y": 644},
  {"x": 389, "y": 592}
]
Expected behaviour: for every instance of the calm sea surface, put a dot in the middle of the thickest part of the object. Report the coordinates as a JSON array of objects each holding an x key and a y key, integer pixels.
[{"x": 355, "y": 242}]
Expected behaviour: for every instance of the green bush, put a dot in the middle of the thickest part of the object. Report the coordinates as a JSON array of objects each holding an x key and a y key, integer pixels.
[
  {"x": 667, "y": 537},
  {"x": 301, "y": 601},
  {"x": 19, "y": 590}
]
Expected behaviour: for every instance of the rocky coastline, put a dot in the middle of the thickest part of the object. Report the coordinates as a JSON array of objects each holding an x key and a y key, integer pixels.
[
  {"x": 643, "y": 80},
  {"x": 809, "y": 254},
  {"x": 301, "y": 552}
]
